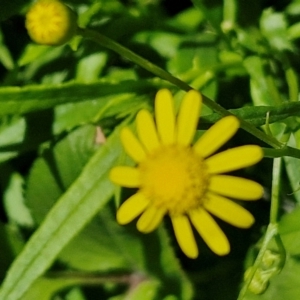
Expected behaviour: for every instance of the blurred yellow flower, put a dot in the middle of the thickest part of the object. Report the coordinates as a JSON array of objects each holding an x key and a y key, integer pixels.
[
  {"x": 182, "y": 180},
  {"x": 50, "y": 22}
]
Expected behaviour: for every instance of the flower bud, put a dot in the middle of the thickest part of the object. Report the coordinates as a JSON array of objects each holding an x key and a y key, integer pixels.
[{"x": 51, "y": 22}]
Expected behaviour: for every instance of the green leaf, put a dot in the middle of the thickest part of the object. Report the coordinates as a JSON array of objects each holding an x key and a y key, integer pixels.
[
  {"x": 70, "y": 214},
  {"x": 33, "y": 52},
  {"x": 12, "y": 133},
  {"x": 70, "y": 115},
  {"x": 91, "y": 66},
  {"x": 212, "y": 11},
  {"x": 5, "y": 55},
  {"x": 257, "y": 115},
  {"x": 16, "y": 100},
  {"x": 14, "y": 202},
  {"x": 53, "y": 173},
  {"x": 19, "y": 134},
  {"x": 260, "y": 92},
  {"x": 187, "y": 20},
  {"x": 45, "y": 288},
  {"x": 146, "y": 290},
  {"x": 274, "y": 28},
  {"x": 289, "y": 229},
  {"x": 6, "y": 253}
]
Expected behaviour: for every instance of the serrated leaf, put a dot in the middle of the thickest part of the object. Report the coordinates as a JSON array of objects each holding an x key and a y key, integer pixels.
[
  {"x": 14, "y": 202},
  {"x": 12, "y": 133},
  {"x": 53, "y": 173}
]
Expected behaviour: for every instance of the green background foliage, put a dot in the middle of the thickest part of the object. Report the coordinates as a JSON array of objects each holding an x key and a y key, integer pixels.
[{"x": 61, "y": 109}]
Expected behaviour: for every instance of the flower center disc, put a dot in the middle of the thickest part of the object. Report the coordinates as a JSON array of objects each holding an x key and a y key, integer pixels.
[{"x": 174, "y": 178}]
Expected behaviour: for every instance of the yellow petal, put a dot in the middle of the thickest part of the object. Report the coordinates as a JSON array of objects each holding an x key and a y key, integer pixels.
[
  {"x": 188, "y": 117},
  {"x": 125, "y": 176},
  {"x": 234, "y": 159},
  {"x": 216, "y": 136},
  {"x": 228, "y": 211},
  {"x": 132, "y": 145},
  {"x": 185, "y": 236},
  {"x": 131, "y": 208},
  {"x": 150, "y": 219},
  {"x": 235, "y": 187},
  {"x": 165, "y": 116},
  {"x": 146, "y": 130},
  {"x": 210, "y": 231}
]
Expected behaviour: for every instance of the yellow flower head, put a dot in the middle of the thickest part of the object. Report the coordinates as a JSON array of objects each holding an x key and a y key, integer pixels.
[
  {"x": 50, "y": 22},
  {"x": 182, "y": 180}
]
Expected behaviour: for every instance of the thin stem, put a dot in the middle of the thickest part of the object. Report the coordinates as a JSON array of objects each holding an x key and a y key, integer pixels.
[
  {"x": 287, "y": 151},
  {"x": 123, "y": 51},
  {"x": 275, "y": 190},
  {"x": 229, "y": 13}
]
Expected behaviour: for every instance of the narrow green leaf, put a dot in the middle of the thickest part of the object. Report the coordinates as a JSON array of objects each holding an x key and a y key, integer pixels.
[
  {"x": 256, "y": 115},
  {"x": 69, "y": 215},
  {"x": 16, "y": 100}
]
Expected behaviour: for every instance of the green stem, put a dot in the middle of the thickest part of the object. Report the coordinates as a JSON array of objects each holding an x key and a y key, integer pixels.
[
  {"x": 275, "y": 190},
  {"x": 125, "y": 52},
  {"x": 229, "y": 13},
  {"x": 286, "y": 151}
]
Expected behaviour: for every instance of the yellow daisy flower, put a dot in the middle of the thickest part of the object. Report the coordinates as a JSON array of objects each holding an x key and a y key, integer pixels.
[{"x": 182, "y": 180}]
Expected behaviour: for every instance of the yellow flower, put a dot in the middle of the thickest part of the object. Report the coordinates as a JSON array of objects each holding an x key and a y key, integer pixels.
[
  {"x": 183, "y": 180},
  {"x": 50, "y": 22}
]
